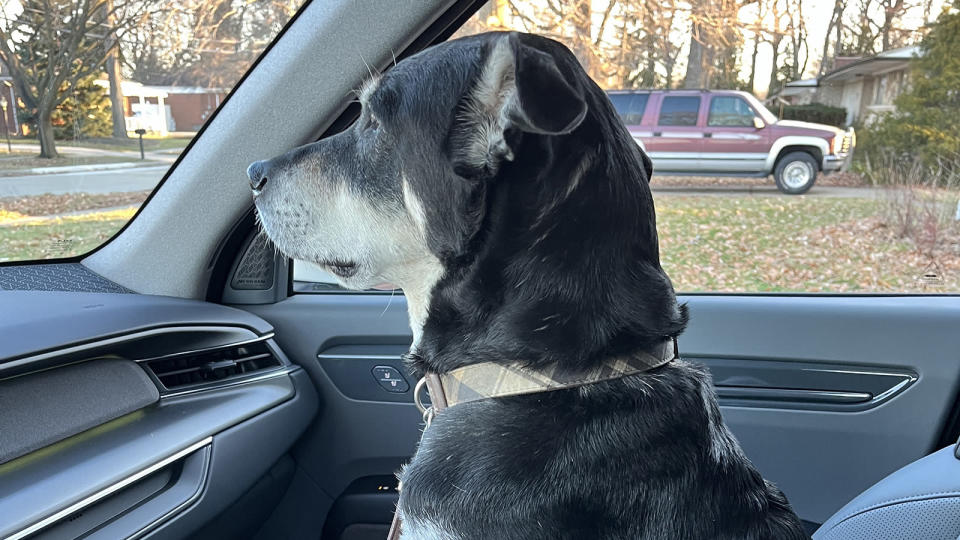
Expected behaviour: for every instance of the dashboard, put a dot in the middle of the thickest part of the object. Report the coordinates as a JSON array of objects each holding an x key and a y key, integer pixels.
[{"x": 134, "y": 416}]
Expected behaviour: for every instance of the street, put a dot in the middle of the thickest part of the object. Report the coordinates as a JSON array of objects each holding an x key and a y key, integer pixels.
[{"x": 103, "y": 181}]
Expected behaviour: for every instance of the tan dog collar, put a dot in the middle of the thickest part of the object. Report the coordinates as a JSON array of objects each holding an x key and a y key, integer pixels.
[{"x": 488, "y": 380}]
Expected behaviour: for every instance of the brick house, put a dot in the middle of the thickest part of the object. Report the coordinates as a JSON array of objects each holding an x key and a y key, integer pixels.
[{"x": 163, "y": 109}]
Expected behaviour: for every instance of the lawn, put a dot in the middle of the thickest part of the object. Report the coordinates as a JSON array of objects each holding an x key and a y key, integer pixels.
[
  {"x": 783, "y": 244},
  {"x": 707, "y": 243},
  {"x": 61, "y": 237}
]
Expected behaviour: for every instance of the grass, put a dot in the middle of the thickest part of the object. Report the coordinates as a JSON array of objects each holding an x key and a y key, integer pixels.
[
  {"x": 62, "y": 237},
  {"x": 707, "y": 244},
  {"x": 792, "y": 244}
]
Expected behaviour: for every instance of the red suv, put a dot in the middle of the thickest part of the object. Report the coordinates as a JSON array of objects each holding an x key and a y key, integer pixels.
[{"x": 726, "y": 132}]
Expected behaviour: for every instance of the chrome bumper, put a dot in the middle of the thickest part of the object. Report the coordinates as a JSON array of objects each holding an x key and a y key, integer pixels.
[{"x": 841, "y": 161}]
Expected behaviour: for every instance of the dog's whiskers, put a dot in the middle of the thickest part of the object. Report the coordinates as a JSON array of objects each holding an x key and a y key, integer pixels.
[{"x": 389, "y": 301}]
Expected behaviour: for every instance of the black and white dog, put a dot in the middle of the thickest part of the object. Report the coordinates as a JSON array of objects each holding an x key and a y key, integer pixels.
[{"x": 493, "y": 181}]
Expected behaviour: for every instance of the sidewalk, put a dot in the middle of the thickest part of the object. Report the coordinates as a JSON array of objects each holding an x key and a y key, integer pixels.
[
  {"x": 168, "y": 155},
  {"x": 131, "y": 159}
]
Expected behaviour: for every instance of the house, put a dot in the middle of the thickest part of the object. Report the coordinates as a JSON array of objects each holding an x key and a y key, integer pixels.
[
  {"x": 162, "y": 109},
  {"x": 863, "y": 86},
  {"x": 8, "y": 96}
]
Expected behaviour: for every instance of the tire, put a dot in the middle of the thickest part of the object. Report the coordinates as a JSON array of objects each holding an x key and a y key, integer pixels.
[{"x": 795, "y": 173}]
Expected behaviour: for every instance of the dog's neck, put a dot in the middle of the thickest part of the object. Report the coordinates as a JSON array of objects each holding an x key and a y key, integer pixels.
[{"x": 417, "y": 279}]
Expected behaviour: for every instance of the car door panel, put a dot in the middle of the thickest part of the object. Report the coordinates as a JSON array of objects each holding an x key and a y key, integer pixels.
[
  {"x": 823, "y": 392},
  {"x": 671, "y": 145},
  {"x": 733, "y": 148}
]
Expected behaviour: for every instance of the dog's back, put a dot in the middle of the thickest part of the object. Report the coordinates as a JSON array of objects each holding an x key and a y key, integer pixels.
[{"x": 643, "y": 457}]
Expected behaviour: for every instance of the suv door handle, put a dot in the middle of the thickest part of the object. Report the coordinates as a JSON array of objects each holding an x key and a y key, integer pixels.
[
  {"x": 657, "y": 133},
  {"x": 707, "y": 135}
]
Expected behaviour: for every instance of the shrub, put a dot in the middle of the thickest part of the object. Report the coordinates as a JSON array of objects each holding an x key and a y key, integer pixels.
[
  {"x": 926, "y": 125},
  {"x": 85, "y": 114},
  {"x": 816, "y": 112},
  {"x": 920, "y": 202}
]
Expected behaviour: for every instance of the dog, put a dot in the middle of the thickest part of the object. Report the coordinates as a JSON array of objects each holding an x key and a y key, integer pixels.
[{"x": 491, "y": 179}]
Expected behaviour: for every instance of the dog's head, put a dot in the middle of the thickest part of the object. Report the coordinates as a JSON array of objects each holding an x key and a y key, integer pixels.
[{"x": 492, "y": 180}]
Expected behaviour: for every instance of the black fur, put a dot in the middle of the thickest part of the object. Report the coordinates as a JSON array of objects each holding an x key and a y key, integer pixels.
[
  {"x": 631, "y": 458},
  {"x": 548, "y": 244}
]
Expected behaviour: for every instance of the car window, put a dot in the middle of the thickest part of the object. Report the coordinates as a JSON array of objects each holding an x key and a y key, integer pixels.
[
  {"x": 78, "y": 156},
  {"x": 630, "y": 107},
  {"x": 730, "y": 111},
  {"x": 883, "y": 212},
  {"x": 679, "y": 111}
]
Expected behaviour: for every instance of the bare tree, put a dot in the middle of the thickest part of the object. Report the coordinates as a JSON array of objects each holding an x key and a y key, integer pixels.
[
  {"x": 114, "y": 76},
  {"x": 779, "y": 18},
  {"x": 715, "y": 42},
  {"x": 209, "y": 43},
  {"x": 51, "y": 45},
  {"x": 835, "y": 24},
  {"x": 798, "y": 47},
  {"x": 757, "y": 30}
]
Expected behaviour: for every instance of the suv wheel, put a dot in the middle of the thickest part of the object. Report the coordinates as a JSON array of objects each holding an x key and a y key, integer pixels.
[{"x": 795, "y": 173}]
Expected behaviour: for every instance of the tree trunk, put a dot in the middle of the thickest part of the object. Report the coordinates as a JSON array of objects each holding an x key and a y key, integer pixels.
[
  {"x": 826, "y": 39},
  {"x": 113, "y": 76},
  {"x": 774, "y": 79},
  {"x": 116, "y": 98},
  {"x": 48, "y": 148},
  {"x": 694, "y": 76},
  {"x": 753, "y": 60}
]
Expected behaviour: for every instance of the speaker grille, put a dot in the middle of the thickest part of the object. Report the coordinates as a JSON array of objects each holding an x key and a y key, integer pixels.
[{"x": 256, "y": 268}]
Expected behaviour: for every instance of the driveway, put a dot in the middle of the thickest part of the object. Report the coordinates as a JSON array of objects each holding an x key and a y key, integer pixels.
[
  {"x": 108, "y": 181},
  {"x": 840, "y": 192}
]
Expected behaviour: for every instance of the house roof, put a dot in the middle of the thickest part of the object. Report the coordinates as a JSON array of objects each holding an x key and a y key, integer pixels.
[
  {"x": 885, "y": 62},
  {"x": 135, "y": 89},
  {"x": 803, "y": 83}
]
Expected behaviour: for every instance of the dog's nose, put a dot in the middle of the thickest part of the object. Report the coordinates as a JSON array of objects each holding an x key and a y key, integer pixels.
[{"x": 257, "y": 172}]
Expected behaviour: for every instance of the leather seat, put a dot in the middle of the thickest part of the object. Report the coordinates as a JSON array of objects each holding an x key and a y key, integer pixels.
[{"x": 918, "y": 502}]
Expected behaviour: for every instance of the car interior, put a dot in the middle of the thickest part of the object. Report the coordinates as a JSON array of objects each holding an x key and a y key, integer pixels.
[{"x": 180, "y": 382}]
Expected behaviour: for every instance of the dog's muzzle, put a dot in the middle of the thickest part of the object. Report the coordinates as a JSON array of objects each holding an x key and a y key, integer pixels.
[{"x": 257, "y": 172}]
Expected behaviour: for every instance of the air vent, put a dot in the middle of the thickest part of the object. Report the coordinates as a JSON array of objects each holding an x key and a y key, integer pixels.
[{"x": 213, "y": 365}]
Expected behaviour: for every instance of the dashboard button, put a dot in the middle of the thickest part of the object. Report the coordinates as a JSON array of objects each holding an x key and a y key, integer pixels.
[{"x": 390, "y": 379}]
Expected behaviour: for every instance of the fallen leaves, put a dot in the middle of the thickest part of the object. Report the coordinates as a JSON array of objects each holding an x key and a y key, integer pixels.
[{"x": 799, "y": 244}]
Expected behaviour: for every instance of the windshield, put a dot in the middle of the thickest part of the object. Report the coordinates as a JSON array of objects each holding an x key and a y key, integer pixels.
[
  {"x": 89, "y": 127},
  {"x": 761, "y": 109}
]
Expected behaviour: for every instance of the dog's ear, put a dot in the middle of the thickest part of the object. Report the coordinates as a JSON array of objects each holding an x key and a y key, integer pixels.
[{"x": 520, "y": 88}]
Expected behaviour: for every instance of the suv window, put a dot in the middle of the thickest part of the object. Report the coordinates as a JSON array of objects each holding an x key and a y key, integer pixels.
[
  {"x": 679, "y": 111},
  {"x": 630, "y": 107},
  {"x": 730, "y": 111},
  {"x": 69, "y": 184}
]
